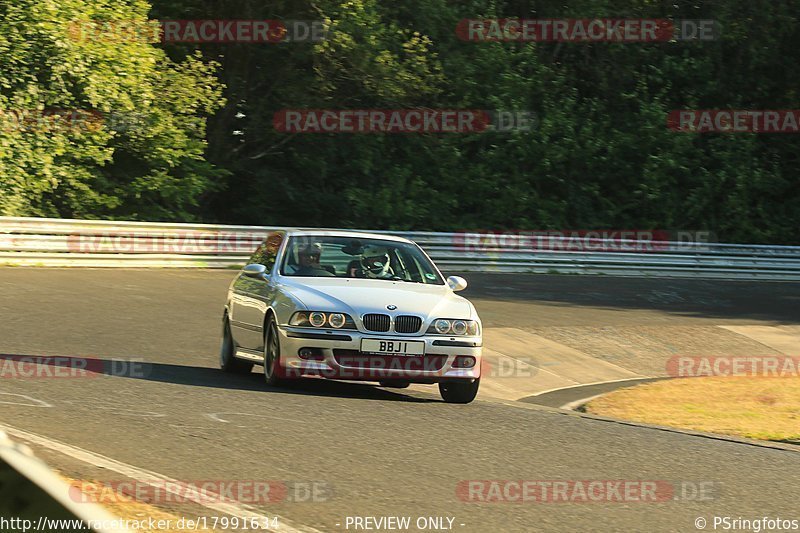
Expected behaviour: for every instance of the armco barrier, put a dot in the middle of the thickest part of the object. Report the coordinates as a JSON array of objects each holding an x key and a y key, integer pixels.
[
  {"x": 34, "y": 498},
  {"x": 98, "y": 243}
]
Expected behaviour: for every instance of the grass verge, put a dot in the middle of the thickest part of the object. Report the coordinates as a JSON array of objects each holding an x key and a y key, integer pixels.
[{"x": 766, "y": 408}]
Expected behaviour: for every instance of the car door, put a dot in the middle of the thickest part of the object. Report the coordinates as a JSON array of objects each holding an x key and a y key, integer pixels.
[{"x": 252, "y": 296}]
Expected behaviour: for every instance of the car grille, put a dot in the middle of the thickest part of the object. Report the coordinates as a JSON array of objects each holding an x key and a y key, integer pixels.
[
  {"x": 407, "y": 324},
  {"x": 376, "y": 322}
]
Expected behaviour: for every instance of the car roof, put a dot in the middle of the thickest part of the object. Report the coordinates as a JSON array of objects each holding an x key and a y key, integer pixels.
[{"x": 344, "y": 233}]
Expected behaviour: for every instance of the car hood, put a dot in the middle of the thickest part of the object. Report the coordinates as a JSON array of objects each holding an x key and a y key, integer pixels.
[{"x": 359, "y": 296}]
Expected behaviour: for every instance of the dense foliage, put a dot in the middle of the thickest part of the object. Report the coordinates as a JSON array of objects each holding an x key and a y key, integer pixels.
[
  {"x": 599, "y": 156},
  {"x": 142, "y": 156}
]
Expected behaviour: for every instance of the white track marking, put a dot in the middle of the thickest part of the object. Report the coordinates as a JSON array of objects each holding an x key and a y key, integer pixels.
[
  {"x": 130, "y": 412},
  {"x": 152, "y": 478},
  {"x": 217, "y": 417},
  {"x": 182, "y": 426},
  {"x": 38, "y": 403},
  {"x": 571, "y": 406}
]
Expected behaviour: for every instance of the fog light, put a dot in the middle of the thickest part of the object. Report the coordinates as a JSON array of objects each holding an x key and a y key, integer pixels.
[
  {"x": 464, "y": 361},
  {"x": 312, "y": 354}
]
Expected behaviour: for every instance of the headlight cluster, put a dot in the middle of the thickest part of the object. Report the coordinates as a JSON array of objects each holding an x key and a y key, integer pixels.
[
  {"x": 452, "y": 326},
  {"x": 319, "y": 319}
]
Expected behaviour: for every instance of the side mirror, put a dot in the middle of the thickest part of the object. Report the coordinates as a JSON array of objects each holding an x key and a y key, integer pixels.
[
  {"x": 255, "y": 270},
  {"x": 457, "y": 283}
]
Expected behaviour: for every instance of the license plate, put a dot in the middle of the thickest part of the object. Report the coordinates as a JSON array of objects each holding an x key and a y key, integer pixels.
[{"x": 393, "y": 347}]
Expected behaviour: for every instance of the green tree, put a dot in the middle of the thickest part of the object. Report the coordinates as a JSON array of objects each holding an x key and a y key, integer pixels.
[{"x": 140, "y": 151}]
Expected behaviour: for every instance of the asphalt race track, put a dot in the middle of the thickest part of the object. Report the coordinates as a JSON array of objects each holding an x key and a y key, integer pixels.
[{"x": 379, "y": 452}]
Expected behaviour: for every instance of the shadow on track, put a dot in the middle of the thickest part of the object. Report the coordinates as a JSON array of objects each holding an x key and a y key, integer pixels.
[
  {"x": 310, "y": 386},
  {"x": 193, "y": 376}
]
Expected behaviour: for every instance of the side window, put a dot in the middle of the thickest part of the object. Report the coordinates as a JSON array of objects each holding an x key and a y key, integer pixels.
[{"x": 268, "y": 251}]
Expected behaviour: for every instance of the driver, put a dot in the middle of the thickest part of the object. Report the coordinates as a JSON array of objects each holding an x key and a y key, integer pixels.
[
  {"x": 309, "y": 261},
  {"x": 375, "y": 263}
]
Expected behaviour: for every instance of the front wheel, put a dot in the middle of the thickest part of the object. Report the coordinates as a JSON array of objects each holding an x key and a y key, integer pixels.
[
  {"x": 227, "y": 358},
  {"x": 272, "y": 355},
  {"x": 459, "y": 391}
]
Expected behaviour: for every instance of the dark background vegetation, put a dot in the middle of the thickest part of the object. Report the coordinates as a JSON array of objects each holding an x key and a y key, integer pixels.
[{"x": 599, "y": 157}]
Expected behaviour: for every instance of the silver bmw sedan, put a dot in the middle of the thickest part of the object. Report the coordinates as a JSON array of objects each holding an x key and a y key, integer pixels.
[{"x": 351, "y": 306}]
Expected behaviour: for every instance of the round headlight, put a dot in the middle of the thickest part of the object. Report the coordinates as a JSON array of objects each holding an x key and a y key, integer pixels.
[
  {"x": 336, "y": 320},
  {"x": 317, "y": 319},
  {"x": 459, "y": 327},
  {"x": 442, "y": 326}
]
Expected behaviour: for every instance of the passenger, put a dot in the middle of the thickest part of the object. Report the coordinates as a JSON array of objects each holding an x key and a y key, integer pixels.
[{"x": 309, "y": 262}]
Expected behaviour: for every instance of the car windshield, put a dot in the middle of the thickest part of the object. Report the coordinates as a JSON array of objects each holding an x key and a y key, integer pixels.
[{"x": 346, "y": 257}]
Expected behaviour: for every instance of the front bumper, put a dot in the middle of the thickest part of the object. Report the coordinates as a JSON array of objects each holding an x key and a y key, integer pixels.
[{"x": 342, "y": 359}]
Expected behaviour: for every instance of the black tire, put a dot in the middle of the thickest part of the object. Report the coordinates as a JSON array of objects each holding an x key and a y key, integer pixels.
[
  {"x": 227, "y": 360},
  {"x": 459, "y": 391},
  {"x": 272, "y": 355},
  {"x": 395, "y": 384}
]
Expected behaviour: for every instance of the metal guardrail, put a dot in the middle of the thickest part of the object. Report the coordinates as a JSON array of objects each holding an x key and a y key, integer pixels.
[
  {"x": 98, "y": 243},
  {"x": 34, "y": 498}
]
